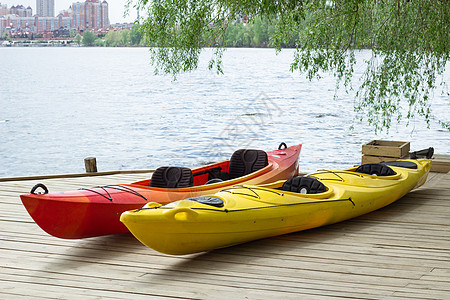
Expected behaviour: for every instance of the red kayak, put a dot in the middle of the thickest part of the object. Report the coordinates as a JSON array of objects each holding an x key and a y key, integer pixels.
[{"x": 96, "y": 211}]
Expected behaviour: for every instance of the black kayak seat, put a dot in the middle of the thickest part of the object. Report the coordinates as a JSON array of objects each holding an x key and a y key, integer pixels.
[
  {"x": 246, "y": 161},
  {"x": 172, "y": 177},
  {"x": 401, "y": 164},
  {"x": 375, "y": 169},
  {"x": 303, "y": 185}
]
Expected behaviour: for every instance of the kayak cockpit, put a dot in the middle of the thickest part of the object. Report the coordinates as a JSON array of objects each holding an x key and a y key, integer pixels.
[{"x": 242, "y": 163}]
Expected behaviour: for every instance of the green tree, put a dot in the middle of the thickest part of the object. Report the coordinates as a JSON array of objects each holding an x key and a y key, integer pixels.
[
  {"x": 72, "y": 32},
  {"x": 99, "y": 43},
  {"x": 135, "y": 35},
  {"x": 88, "y": 38},
  {"x": 124, "y": 37},
  {"x": 410, "y": 44},
  {"x": 230, "y": 36},
  {"x": 119, "y": 38},
  {"x": 77, "y": 39},
  {"x": 246, "y": 36},
  {"x": 262, "y": 31},
  {"x": 111, "y": 38}
]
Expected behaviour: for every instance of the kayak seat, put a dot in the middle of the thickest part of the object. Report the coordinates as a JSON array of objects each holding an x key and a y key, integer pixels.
[
  {"x": 304, "y": 185},
  {"x": 172, "y": 177},
  {"x": 375, "y": 169},
  {"x": 401, "y": 164},
  {"x": 246, "y": 161}
]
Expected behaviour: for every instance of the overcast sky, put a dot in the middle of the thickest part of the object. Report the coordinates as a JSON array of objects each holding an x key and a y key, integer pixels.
[{"x": 116, "y": 8}]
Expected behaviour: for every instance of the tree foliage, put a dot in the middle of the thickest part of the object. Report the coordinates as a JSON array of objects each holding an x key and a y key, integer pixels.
[
  {"x": 5, "y": 36},
  {"x": 135, "y": 35},
  {"x": 88, "y": 38},
  {"x": 77, "y": 39},
  {"x": 257, "y": 33},
  {"x": 123, "y": 38},
  {"x": 409, "y": 42}
]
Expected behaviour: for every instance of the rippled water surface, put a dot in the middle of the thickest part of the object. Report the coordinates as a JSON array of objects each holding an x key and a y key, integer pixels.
[{"x": 60, "y": 105}]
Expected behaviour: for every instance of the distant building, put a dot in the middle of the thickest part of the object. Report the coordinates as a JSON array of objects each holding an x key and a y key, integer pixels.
[
  {"x": 18, "y": 10},
  {"x": 64, "y": 22},
  {"x": 21, "y": 11},
  {"x": 45, "y": 8},
  {"x": 88, "y": 15},
  {"x": 78, "y": 18},
  {"x": 122, "y": 26},
  {"x": 3, "y": 9},
  {"x": 66, "y": 13},
  {"x": 2, "y": 24},
  {"x": 14, "y": 23}
]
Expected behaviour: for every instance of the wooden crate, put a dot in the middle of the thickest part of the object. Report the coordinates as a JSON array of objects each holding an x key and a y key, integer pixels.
[
  {"x": 369, "y": 159},
  {"x": 382, "y": 148}
]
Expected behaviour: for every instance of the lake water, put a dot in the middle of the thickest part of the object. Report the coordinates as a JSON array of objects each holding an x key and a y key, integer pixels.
[{"x": 60, "y": 105}]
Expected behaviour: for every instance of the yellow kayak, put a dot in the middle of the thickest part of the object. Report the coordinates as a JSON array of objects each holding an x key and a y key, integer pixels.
[{"x": 245, "y": 213}]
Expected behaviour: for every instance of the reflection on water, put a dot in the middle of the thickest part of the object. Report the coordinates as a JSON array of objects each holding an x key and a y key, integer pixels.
[{"x": 60, "y": 105}]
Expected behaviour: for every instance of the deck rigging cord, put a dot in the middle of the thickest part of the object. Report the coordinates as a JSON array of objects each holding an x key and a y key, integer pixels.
[
  {"x": 115, "y": 187},
  {"x": 334, "y": 173},
  {"x": 251, "y": 208},
  {"x": 252, "y": 188}
]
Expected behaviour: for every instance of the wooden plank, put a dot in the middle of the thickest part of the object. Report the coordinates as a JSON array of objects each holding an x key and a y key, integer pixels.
[
  {"x": 371, "y": 159},
  {"x": 229, "y": 277},
  {"x": 441, "y": 163},
  {"x": 72, "y": 175},
  {"x": 54, "y": 288},
  {"x": 401, "y": 251},
  {"x": 275, "y": 263}
]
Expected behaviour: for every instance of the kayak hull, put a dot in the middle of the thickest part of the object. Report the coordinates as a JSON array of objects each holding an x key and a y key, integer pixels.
[
  {"x": 255, "y": 212},
  {"x": 96, "y": 211}
]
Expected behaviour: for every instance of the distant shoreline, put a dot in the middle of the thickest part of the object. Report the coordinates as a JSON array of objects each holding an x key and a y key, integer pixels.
[{"x": 71, "y": 43}]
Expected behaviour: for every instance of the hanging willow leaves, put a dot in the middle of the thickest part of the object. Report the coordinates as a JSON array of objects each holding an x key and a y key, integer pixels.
[{"x": 410, "y": 43}]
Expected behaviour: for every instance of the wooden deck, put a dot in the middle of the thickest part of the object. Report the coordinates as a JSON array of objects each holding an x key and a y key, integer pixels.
[{"x": 401, "y": 251}]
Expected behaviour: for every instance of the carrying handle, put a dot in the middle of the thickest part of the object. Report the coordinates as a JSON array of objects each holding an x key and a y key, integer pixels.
[
  {"x": 171, "y": 213},
  {"x": 39, "y": 185},
  {"x": 281, "y": 145}
]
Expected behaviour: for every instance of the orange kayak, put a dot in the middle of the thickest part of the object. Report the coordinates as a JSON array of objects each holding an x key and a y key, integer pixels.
[{"x": 96, "y": 211}]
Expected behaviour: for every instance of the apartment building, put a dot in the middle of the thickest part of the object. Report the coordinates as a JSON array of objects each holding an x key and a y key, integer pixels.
[
  {"x": 88, "y": 15},
  {"x": 3, "y": 9},
  {"x": 18, "y": 10},
  {"x": 91, "y": 14},
  {"x": 45, "y": 8},
  {"x": 21, "y": 11}
]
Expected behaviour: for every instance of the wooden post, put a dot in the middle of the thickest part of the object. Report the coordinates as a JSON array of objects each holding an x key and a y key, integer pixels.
[{"x": 90, "y": 163}]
